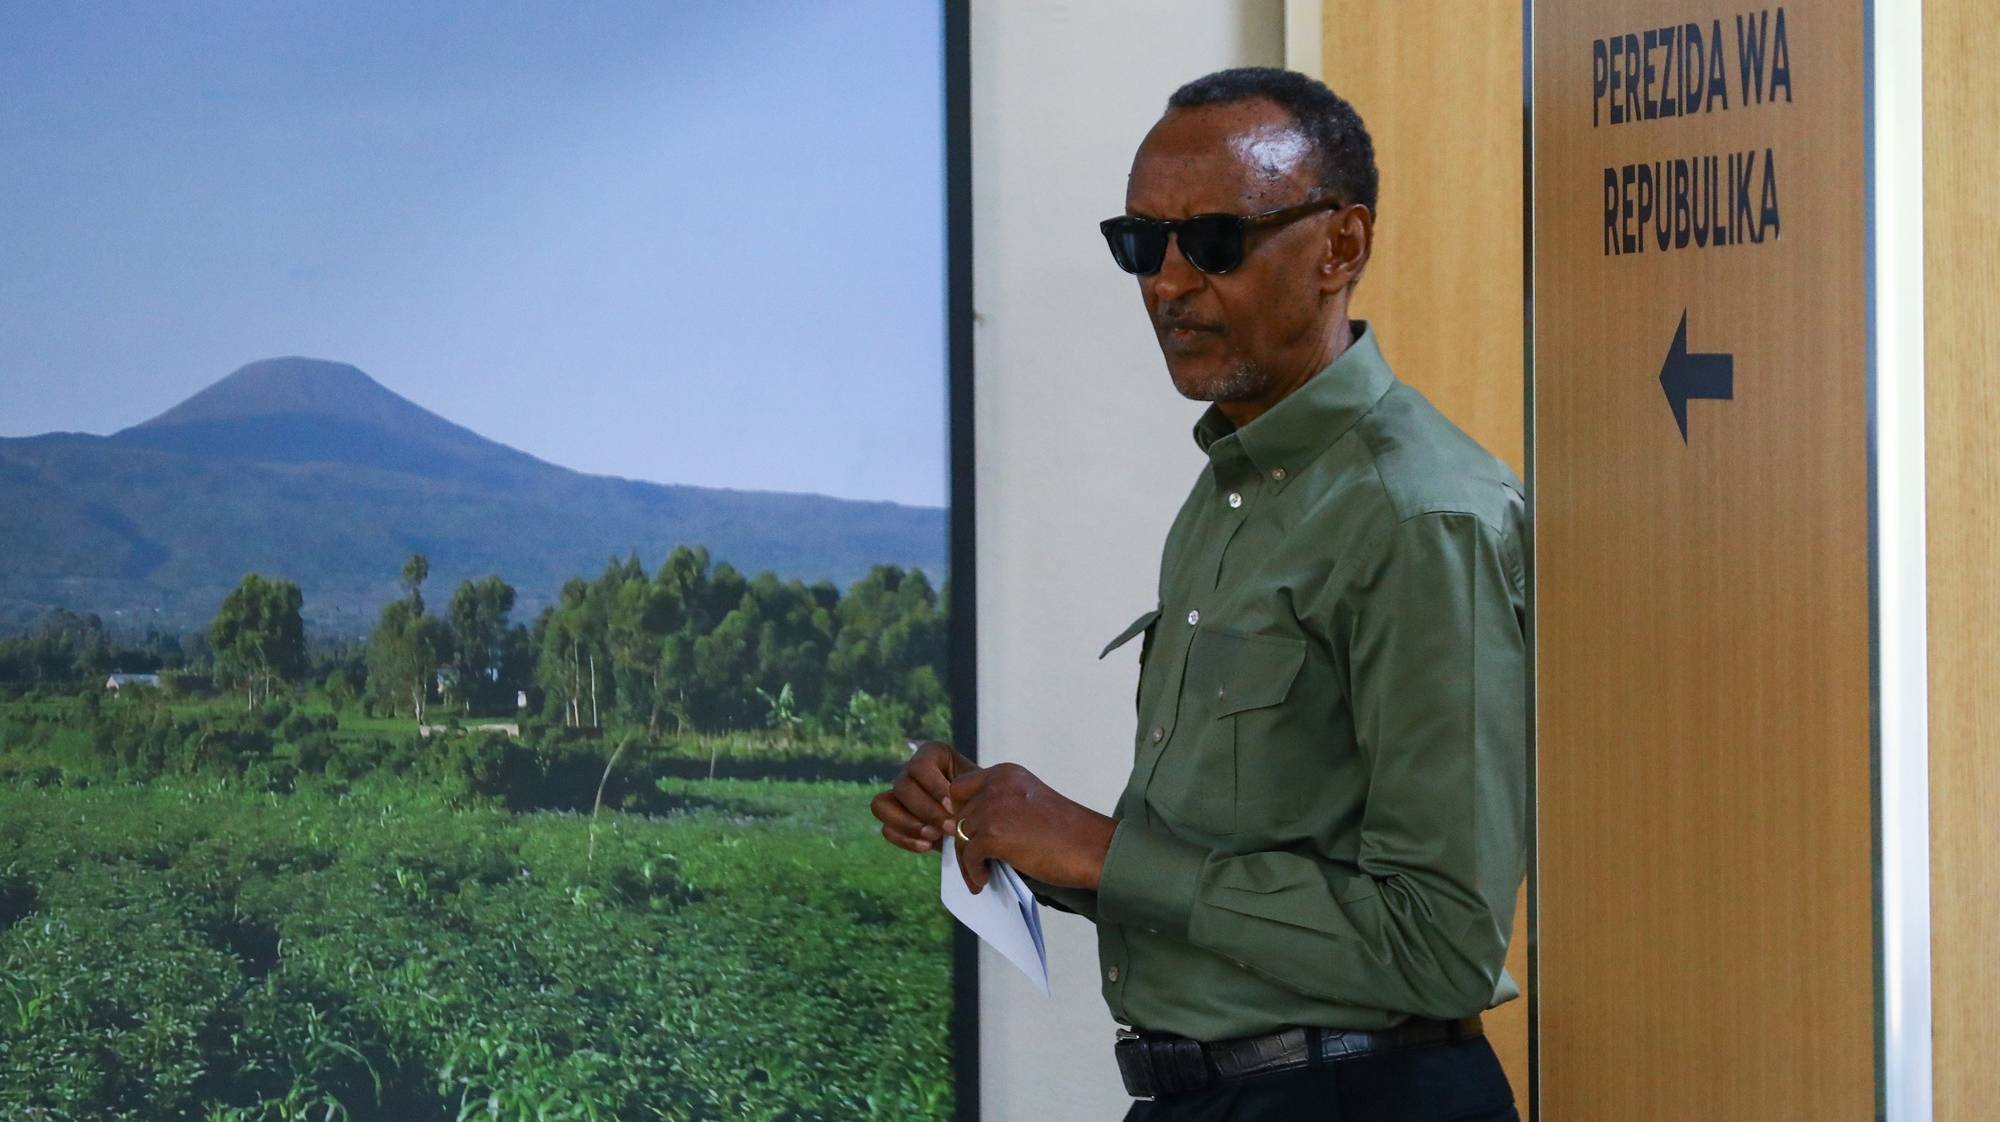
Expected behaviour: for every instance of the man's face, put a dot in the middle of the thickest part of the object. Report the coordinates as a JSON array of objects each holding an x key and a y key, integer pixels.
[{"x": 1232, "y": 336}]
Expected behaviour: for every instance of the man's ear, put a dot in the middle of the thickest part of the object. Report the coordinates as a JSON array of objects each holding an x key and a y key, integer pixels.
[{"x": 1349, "y": 242}]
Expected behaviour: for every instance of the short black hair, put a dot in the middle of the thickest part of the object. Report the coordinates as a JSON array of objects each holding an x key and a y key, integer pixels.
[{"x": 1342, "y": 149}]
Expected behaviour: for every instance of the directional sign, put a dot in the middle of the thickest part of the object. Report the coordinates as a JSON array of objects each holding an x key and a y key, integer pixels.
[
  {"x": 1703, "y": 789},
  {"x": 1684, "y": 376}
]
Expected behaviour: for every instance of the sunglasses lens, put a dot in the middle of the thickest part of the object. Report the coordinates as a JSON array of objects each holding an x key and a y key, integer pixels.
[
  {"x": 1136, "y": 244},
  {"x": 1213, "y": 243}
]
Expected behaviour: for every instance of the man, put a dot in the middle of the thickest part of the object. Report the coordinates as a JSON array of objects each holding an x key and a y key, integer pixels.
[{"x": 1304, "y": 895}]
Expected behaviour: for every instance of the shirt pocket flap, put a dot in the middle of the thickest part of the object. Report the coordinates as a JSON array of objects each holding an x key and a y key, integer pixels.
[
  {"x": 1136, "y": 626},
  {"x": 1251, "y": 671}
]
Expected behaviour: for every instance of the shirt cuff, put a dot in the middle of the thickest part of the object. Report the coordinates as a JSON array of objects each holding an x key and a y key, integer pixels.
[
  {"x": 1150, "y": 880},
  {"x": 1076, "y": 901}
]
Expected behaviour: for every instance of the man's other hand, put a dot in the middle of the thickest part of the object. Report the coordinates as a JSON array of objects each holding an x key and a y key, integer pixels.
[{"x": 917, "y": 808}]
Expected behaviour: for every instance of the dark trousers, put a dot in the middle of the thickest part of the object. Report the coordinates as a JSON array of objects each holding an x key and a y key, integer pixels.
[{"x": 1453, "y": 1082}]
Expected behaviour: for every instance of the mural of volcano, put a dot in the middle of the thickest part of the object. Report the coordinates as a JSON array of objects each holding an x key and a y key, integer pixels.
[{"x": 313, "y": 471}]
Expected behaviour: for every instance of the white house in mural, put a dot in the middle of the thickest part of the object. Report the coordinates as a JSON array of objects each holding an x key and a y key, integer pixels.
[{"x": 120, "y": 681}]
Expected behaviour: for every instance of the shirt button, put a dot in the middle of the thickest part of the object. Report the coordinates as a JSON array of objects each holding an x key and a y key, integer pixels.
[
  {"x": 1159, "y": 734},
  {"x": 1112, "y": 973},
  {"x": 1278, "y": 474},
  {"x": 1235, "y": 499},
  {"x": 1194, "y": 617}
]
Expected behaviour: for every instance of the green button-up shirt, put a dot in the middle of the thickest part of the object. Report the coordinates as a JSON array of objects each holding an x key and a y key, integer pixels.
[{"x": 1325, "y": 822}]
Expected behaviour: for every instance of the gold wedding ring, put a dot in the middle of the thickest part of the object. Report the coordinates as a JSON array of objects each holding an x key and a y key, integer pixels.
[{"x": 960, "y": 831}]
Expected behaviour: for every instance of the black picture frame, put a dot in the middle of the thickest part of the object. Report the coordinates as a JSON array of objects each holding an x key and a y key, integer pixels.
[{"x": 963, "y": 601}]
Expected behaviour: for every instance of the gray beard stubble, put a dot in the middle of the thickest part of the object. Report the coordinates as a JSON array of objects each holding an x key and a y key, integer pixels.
[{"x": 1243, "y": 380}]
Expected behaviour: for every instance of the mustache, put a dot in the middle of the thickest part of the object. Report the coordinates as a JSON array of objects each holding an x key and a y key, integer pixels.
[{"x": 1169, "y": 318}]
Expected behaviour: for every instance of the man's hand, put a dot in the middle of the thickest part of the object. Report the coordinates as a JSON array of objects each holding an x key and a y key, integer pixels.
[
  {"x": 916, "y": 809},
  {"x": 1014, "y": 817}
]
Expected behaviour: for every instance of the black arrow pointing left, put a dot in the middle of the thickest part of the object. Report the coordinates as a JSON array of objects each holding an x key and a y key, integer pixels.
[{"x": 1684, "y": 376}]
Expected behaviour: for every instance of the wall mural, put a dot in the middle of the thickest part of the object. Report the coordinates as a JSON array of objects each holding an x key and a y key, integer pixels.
[{"x": 472, "y": 540}]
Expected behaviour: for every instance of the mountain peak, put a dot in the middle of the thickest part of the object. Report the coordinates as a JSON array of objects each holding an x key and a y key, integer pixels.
[
  {"x": 292, "y": 386},
  {"x": 311, "y": 410}
]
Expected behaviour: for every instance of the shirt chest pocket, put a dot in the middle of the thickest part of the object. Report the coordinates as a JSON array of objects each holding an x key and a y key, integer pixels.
[{"x": 1226, "y": 771}]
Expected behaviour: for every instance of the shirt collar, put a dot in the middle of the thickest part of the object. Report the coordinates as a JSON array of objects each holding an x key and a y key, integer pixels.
[{"x": 1285, "y": 437}]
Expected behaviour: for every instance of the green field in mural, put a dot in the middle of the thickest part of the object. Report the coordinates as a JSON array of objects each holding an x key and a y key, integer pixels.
[
  {"x": 616, "y": 864},
  {"x": 388, "y": 948}
]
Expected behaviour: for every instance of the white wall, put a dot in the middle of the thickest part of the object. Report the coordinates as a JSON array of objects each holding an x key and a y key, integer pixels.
[{"x": 1083, "y": 450}]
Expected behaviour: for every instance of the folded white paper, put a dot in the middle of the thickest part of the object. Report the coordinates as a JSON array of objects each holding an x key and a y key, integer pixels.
[{"x": 1004, "y": 914}]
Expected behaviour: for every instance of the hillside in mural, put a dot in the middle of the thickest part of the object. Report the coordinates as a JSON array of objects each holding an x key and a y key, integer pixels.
[{"x": 315, "y": 471}]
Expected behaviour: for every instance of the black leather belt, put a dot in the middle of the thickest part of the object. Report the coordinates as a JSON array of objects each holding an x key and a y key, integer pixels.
[{"x": 1156, "y": 1064}]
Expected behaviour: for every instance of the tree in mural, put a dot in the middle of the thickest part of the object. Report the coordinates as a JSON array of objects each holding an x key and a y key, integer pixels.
[
  {"x": 259, "y": 637},
  {"x": 485, "y": 659},
  {"x": 408, "y": 646}
]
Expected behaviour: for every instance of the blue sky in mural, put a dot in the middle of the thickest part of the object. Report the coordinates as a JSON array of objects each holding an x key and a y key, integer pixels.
[{"x": 688, "y": 242}]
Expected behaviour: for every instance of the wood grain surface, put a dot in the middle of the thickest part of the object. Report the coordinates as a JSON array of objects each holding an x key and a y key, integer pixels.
[
  {"x": 1962, "y": 422},
  {"x": 1444, "y": 289},
  {"x": 1706, "y": 908}
]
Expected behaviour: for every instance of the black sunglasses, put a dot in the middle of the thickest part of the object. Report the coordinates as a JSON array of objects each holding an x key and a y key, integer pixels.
[{"x": 1213, "y": 243}]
